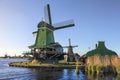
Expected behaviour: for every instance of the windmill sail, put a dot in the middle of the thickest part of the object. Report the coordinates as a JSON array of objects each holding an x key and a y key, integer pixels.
[
  {"x": 64, "y": 24},
  {"x": 35, "y": 32},
  {"x": 70, "y": 45},
  {"x": 47, "y": 14}
]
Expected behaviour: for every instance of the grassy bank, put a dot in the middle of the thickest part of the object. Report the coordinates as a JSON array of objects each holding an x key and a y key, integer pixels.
[{"x": 47, "y": 65}]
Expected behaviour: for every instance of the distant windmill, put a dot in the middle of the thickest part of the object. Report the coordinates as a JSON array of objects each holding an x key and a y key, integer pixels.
[
  {"x": 70, "y": 56},
  {"x": 70, "y": 47},
  {"x": 45, "y": 36}
]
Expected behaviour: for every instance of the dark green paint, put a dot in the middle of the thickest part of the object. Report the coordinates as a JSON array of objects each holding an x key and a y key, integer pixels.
[
  {"x": 45, "y": 35},
  {"x": 101, "y": 50}
]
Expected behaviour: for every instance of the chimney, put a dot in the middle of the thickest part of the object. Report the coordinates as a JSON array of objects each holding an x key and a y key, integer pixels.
[{"x": 101, "y": 45}]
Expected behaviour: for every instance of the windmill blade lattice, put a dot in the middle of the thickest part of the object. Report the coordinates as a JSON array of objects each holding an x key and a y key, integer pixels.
[
  {"x": 64, "y": 24},
  {"x": 47, "y": 14}
]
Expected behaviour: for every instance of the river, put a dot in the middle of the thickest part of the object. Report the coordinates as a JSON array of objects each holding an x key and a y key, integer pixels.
[{"x": 18, "y": 73}]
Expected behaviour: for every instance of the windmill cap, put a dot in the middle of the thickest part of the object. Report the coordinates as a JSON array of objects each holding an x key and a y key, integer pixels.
[{"x": 45, "y": 24}]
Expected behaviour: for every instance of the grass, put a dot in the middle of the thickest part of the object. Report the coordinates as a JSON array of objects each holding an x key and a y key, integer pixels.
[
  {"x": 29, "y": 64},
  {"x": 70, "y": 63}
]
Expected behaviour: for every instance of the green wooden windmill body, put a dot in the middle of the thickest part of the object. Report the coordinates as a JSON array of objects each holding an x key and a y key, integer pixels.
[{"x": 44, "y": 36}]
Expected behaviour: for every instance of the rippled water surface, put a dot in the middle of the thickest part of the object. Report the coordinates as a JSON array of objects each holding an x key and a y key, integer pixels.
[{"x": 19, "y": 73}]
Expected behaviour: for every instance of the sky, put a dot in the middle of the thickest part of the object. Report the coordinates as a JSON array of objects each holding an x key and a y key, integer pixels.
[{"x": 95, "y": 20}]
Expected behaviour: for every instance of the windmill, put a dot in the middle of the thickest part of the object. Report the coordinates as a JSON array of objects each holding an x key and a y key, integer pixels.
[
  {"x": 70, "y": 56},
  {"x": 45, "y": 38},
  {"x": 70, "y": 47}
]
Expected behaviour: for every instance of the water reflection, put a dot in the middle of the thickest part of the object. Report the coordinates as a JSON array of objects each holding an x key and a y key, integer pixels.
[
  {"x": 18, "y": 73},
  {"x": 43, "y": 74},
  {"x": 65, "y": 74},
  {"x": 108, "y": 76}
]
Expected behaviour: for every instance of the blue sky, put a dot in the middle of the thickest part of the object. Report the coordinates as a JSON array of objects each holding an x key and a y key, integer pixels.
[{"x": 95, "y": 20}]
